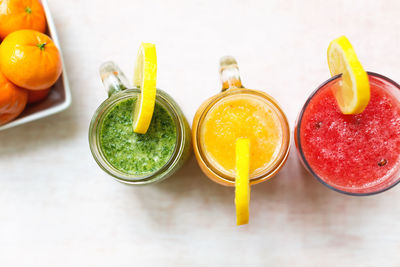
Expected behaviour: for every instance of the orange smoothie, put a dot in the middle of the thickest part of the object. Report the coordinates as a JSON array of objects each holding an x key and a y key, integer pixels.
[
  {"x": 246, "y": 116},
  {"x": 238, "y": 112}
]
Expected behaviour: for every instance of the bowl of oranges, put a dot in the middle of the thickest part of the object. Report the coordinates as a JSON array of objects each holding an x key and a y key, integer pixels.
[{"x": 33, "y": 82}]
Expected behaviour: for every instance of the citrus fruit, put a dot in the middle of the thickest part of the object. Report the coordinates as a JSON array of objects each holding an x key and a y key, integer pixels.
[
  {"x": 145, "y": 77},
  {"x": 12, "y": 100},
  {"x": 21, "y": 14},
  {"x": 353, "y": 94},
  {"x": 35, "y": 96},
  {"x": 30, "y": 59},
  {"x": 242, "y": 183}
]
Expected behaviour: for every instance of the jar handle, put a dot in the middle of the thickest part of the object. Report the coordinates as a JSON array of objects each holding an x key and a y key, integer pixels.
[
  {"x": 229, "y": 73},
  {"x": 114, "y": 80}
]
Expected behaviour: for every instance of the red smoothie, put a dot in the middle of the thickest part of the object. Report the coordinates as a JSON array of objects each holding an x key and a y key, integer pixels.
[{"x": 353, "y": 153}]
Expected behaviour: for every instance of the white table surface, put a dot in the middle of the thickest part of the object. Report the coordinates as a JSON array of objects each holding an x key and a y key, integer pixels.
[{"x": 57, "y": 207}]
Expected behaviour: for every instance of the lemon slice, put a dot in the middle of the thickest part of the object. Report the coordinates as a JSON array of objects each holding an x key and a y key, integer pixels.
[
  {"x": 242, "y": 185},
  {"x": 354, "y": 93},
  {"x": 145, "y": 77}
]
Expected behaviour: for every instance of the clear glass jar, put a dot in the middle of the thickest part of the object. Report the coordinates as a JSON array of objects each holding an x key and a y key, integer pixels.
[
  {"x": 232, "y": 88},
  {"x": 116, "y": 84}
]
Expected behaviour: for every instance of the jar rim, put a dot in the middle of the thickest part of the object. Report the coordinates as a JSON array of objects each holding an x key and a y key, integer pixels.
[
  {"x": 278, "y": 161},
  {"x": 162, "y": 99}
]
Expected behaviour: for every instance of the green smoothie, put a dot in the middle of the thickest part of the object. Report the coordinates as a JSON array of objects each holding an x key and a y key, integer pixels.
[{"x": 132, "y": 153}]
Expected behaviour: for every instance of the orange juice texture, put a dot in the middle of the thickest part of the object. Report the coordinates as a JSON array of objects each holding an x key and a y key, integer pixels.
[{"x": 246, "y": 117}]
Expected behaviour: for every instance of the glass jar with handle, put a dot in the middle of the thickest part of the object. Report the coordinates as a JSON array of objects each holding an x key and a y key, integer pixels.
[
  {"x": 238, "y": 112},
  {"x": 129, "y": 157}
]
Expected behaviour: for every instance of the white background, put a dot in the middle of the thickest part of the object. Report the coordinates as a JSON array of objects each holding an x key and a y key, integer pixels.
[{"x": 57, "y": 208}]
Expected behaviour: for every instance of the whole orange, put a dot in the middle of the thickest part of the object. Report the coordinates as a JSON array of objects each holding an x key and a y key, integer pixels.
[
  {"x": 35, "y": 96},
  {"x": 21, "y": 14},
  {"x": 12, "y": 100},
  {"x": 30, "y": 59}
]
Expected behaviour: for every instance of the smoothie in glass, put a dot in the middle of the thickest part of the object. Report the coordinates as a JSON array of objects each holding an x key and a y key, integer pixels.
[
  {"x": 235, "y": 113},
  {"x": 130, "y": 157},
  {"x": 241, "y": 116},
  {"x": 355, "y": 154}
]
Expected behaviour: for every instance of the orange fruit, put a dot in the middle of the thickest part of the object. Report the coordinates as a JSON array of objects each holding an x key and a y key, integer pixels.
[
  {"x": 12, "y": 100},
  {"x": 21, "y": 14},
  {"x": 35, "y": 96},
  {"x": 30, "y": 59}
]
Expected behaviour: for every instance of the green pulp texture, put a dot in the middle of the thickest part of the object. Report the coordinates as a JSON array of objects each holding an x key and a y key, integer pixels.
[{"x": 132, "y": 153}]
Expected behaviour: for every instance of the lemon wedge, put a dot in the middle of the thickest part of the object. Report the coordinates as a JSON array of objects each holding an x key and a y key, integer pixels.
[
  {"x": 242, "y": 185},
  {"x": 145, "y": 77},
  {"x": 354, "y": 92}
]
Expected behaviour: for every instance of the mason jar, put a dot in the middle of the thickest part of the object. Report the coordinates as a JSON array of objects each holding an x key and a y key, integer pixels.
[
  {"x": 117, "y": 86},
  {"x": 232, "y": 89}
]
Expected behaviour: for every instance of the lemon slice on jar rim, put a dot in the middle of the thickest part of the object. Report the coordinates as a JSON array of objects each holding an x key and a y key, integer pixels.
[
  {"x": 353, "y": 94},
  {"x": 145, "y": 77},
  {"x": 242, "y": 181}
]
